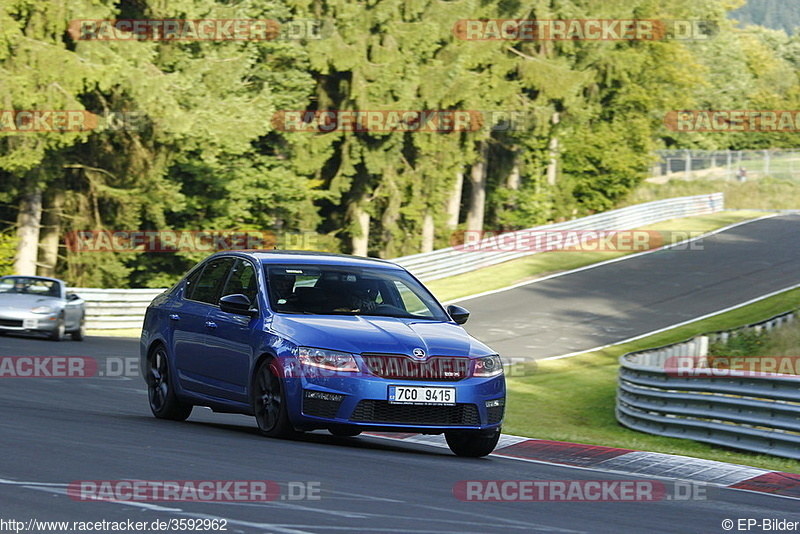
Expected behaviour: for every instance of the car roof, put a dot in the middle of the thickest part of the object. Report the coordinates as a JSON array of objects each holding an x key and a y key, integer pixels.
[
  {"x": 34, "y": 277},
  {"x": 306, "y": 257}
]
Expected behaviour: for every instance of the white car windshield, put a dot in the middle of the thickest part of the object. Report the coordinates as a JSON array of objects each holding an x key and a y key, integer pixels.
[{"x": 29, "y": 286}]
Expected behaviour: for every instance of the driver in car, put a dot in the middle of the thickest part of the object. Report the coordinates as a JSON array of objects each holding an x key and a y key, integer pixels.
[
  {"x": 20, "y": 286},
  {"x": 358, "y": 300},
  {"x": 284, "y": 288}
]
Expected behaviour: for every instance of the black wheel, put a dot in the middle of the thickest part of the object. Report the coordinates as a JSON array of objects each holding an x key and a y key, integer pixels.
[
  {"x": 471, "y": 444},
  {"x": 269, "y": 402},
  {"x": 60, "y": 330},
  {"x": 163, "y": 402},
  {"x": 80, "y": 333},
  {"x": 344, "y": 431}
]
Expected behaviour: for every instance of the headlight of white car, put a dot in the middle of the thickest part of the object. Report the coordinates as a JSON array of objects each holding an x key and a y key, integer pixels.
[{"x": 43, "y": 309}]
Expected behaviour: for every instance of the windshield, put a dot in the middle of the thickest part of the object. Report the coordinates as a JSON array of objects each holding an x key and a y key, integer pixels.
[
  {"x": 29, "y": 286},
  {"x": 338, "y": 290}
]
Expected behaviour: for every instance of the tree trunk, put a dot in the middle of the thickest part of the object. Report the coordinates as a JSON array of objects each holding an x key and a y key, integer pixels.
[
  {"x": 428, "y": 231},
  {"x": 28, "y": 226},
  {"x": 389, "y": 217},
  {"x": 552, "y": 165},
  {"x": 50, "y": 233},
  {"x": 454, "y": 202},
  {"x": 477, "y": 179},
  {"x": 514, "y": 179},
  {"x": 359, "y": 240}
]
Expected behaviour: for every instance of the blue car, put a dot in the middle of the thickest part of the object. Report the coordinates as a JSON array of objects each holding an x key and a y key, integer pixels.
[{"x": 306, "y": 341}]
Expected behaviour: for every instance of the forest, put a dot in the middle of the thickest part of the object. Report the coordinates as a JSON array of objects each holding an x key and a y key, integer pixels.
[{"x": 190, "y": 135}]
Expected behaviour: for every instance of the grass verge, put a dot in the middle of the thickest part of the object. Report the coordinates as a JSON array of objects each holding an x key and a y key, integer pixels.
[{"x": 573, "y": 399}]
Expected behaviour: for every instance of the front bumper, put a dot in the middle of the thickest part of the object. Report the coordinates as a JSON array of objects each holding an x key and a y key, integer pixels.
[
  {"x": 25, "y": 321},
  {"x": 362, "y": 401}
]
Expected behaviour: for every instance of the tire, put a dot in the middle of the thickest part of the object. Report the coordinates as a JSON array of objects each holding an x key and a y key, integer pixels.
[
  {"x": 80, "y": 333},
  {"x": 269, "y": 402},
  {"x": 471, "y": 444},
  {"x": 160, "y": 390},
  {"x": 344, "y": 432},
  {"x": 60, "y": 331}
]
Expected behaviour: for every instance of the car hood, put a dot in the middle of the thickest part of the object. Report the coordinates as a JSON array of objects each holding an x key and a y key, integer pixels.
[
  {"x": 359, "y": 334},
  {"x": 18, "y": 301}
]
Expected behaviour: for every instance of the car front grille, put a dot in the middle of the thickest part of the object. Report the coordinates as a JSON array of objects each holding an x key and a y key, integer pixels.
[
  {"x": 380, "y": 411},
  {"x": 10, "y": 322},
  {"x": 401, "y": 367}
]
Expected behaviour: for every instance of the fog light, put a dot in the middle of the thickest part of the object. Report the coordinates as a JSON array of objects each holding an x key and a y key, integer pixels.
[
  {"x": 321, "y": 395},
  {"x": 495, "y": 403}
]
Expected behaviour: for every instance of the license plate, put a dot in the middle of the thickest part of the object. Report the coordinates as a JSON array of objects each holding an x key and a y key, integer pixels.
[
  {"x": 421, "y": 395},
  {"x": 30, "y": 323}
]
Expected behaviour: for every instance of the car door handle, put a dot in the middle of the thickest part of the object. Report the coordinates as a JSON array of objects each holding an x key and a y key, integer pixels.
[
  {"x": 211, "y": 324},
  {"x": 174, "y": 317}
]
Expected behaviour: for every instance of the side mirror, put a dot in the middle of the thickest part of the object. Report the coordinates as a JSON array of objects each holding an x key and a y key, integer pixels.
[
  {"x": 72, "y": 296},
  {"x": 459, "y": 314},
  {"x": 237, "y": 303}
]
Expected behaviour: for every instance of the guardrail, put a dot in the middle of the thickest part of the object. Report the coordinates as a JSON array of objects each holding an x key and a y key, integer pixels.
[
  {"x": 124, "y": 308},
  {"x": 108, "y": 309},
  {"x": 450, "y": 261},
  {"x": 673, "y": 391}
]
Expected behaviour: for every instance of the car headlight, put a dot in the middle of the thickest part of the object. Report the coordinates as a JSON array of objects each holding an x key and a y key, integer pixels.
[
  {"x": 327, "y": 359},
  {"x": 488, "y": 366},
  {"x": 43, "y": 309}
]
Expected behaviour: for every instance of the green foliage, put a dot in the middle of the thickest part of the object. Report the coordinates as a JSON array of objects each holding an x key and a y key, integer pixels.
[
  {"x": 747, "y": 343},
  {"x": 8, "y": 246}
]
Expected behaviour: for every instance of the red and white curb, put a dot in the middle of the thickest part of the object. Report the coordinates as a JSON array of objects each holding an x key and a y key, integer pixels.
[{"x": 631, "y": 462}]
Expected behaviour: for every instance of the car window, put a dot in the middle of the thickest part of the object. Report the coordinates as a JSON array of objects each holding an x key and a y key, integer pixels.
[
  {"x": 242, "y": 281},
  {"x": 209, "y": 284},
  {"x": 343, "y": 290},
  {"x": 30, "y": 286},
  {"x": 191, "y": 283},
  {"x": 411, "y": 301}
]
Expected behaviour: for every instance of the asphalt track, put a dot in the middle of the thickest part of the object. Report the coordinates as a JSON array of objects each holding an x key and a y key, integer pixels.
[
  {"x": 620, "y": 300},
  {"x": 55, "y": 431}
]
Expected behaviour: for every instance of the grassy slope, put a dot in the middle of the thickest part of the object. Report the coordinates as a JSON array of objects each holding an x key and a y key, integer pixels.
[{"x": 763, "y": 194}]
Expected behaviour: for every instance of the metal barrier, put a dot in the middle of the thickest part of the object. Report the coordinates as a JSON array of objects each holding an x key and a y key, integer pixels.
[
  {"x": 673, "y": 391},
  {"x": 108, "y": 309},
  {"x": 450, "y": 261},
  {"x": 124, "y": 308}
]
